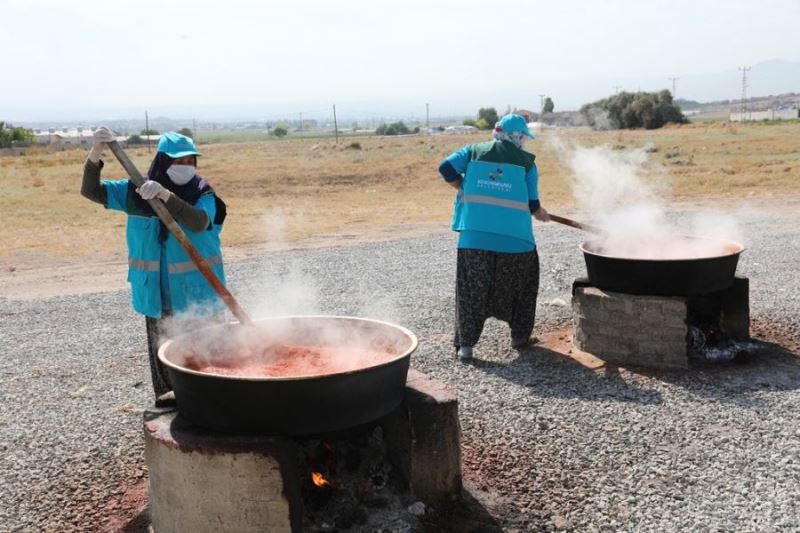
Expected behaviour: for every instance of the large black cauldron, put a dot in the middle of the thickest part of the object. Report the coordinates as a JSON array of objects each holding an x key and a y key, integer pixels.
[
  {"x": 298, "y": 405},
  {"x": 664, "y": 277}
]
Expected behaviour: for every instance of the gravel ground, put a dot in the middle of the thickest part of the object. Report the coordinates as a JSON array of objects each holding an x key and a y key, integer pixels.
[{"x": 547, "y": 443}]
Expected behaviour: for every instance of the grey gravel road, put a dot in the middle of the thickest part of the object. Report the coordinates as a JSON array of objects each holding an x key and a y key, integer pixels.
[{"x": 549, "y": 444}]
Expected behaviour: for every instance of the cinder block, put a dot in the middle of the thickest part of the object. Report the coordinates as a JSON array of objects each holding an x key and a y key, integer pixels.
[
  {"x": 593, "y": 293},
  {"x": 423, "y": 438},
  {"x": 630, "y": 329},
  {"x": 617, "y": 305},
  {"x": 673, "y": 334},
  {"x": 674, "y": 306},
  {"x": 593, "y": 326},
  {"x": 650, "y": 316}
]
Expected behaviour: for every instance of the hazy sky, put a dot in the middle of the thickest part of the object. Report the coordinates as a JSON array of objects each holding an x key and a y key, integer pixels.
[{"x": 113, "y": 58}]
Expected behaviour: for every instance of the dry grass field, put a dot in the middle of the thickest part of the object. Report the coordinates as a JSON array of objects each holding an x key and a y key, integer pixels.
[{"x": 301, "y": 189}]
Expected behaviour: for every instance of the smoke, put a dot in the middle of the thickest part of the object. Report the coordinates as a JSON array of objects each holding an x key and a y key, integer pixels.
[{"x": 627, "y": 194}]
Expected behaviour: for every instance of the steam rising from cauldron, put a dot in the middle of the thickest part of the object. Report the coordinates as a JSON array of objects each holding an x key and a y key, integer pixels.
[
  {"x": 292, "y": 292},
  {"x": 289, "y": 347},
  {"x": 624, "y": 192}
]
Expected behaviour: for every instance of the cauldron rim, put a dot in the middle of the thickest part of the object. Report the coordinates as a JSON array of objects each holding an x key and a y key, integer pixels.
[
  {"x": 406, "y": 353},
  {"x": 739, "y": 248}
]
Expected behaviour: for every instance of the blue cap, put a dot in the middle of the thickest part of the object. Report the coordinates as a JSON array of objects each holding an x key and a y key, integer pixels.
[
  {"x": 176, "y": 145},
  {"x": 513, "y": 123}
]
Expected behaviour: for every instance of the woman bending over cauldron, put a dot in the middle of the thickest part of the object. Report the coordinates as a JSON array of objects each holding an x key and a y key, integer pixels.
[
  {"x": 164, "y": 281},
  {"x": 497, "y": 271}
]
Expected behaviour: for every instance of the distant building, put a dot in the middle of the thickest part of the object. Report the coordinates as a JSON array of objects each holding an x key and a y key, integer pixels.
[
  {"x": 460, "y": 129},
  {"x": 768, "y": 114},
  {"x": 64, "y": 138}
]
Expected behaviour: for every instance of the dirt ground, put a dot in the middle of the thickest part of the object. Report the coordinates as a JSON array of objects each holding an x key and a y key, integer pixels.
[{"x": 41, "y": 277}]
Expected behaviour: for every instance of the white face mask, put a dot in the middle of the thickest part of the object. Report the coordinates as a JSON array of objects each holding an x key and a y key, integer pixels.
[{"x": 181, "y": 174}]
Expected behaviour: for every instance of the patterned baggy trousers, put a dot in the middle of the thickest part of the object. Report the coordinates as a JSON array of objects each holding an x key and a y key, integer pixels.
[{"x": 494, "y": 284}]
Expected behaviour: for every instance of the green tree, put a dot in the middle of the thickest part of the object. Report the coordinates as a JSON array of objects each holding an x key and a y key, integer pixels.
[
  {"x": 489, "y": 115},
  {"x": 395, "y": 128},
  {"x": 10, "y": 135},
  {"x": 187, "y": 132},
  {"x": 151, "y": 131},
  {"x": 647, "y": 110},
  {"x": 469, "y": 122},
  {"x": 481, "y": 124},
  {"x": 135, "y": 139},
  {"x": 548, "y": 105},
  {"x": 280, "y": 131}
]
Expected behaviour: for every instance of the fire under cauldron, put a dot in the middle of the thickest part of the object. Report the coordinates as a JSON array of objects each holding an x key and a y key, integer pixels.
[
  {"x": 296, "y": 375},
  {"x": 687, "y": 266}
]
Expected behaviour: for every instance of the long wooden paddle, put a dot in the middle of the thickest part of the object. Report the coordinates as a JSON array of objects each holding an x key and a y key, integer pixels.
[{"x": 575, "y": 224}]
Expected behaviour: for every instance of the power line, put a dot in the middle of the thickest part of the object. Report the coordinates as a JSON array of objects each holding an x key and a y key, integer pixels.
[
  {"x": 673, "y": 86},
  {"x": 335, "y": 124},
  {"x": 743, "y": 106},
  {"x": 147, "y": 130}
]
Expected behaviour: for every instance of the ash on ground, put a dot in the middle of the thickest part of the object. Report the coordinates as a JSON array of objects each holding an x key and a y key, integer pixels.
[{"x": 705, "y": 349}]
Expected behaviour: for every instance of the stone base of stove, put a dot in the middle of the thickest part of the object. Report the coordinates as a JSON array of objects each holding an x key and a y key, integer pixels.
[
  {"x": 203, "y": 481},
  {"x": 655, "y": 331}
]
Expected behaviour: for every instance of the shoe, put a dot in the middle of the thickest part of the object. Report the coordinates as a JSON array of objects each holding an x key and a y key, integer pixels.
[
  {"x": 521, "y": 342},
  {"x": 465, "y": 354}
]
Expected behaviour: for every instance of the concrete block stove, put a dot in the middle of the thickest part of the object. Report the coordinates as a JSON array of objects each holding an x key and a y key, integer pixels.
[
  {"x": 203, "y": 481},
  {"x": 660, "y": 331}
]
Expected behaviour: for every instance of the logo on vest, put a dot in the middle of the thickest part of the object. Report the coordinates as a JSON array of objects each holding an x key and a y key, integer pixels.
[
  {"x": 494, "y": 181},
  {"x": 496, "y": 175}
]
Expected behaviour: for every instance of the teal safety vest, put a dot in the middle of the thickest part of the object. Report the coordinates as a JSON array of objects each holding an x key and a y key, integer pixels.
[
  {"x": 188, "y": 289},
  {"x": 494, "y": 196}
]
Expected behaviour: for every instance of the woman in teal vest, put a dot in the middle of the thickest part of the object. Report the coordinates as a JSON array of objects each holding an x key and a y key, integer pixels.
[
  {"x": 497, "y": 271},
  {"x": 164, "y": 281}
]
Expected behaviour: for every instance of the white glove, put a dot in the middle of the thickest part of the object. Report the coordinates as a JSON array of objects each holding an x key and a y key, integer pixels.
[
  {"x": 101, "y": 137},
  {"x": 152, "y": 189}
]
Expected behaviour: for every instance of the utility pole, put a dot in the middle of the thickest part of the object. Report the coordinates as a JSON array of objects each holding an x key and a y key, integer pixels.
[
  {"x": 541, "y": 106},
  {"x": 743, "y": 107},
  {"x": 673, "y": 86},
  {"x": 194, "y": 129},
  {"x": 428, "y": 116},
  {"x": 335, "y": 125},
  {"x": 617, "y": 88},
  {"x": 147, "y": 130}
]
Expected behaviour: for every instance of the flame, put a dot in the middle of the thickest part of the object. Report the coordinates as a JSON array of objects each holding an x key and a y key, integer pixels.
[{"x": 318, "y": 479}]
